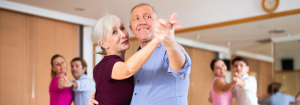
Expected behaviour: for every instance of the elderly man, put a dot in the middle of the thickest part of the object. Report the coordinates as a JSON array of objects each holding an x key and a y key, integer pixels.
[{"x": 164, "y": 78}]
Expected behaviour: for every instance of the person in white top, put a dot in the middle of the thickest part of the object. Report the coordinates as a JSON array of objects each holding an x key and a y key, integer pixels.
[{"x": 245, "y": 90}]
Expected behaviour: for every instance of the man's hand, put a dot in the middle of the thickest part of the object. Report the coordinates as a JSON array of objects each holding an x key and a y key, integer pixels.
[
  {"x": 235, "y": 78},
  {"x": 164, "y": 30},
  {"x": 64, "y": 82},
  {"x": 92, "y": 100}
]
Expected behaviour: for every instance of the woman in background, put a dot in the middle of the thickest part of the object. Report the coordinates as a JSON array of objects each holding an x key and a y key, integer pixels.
[
  {"x": 220, "y": 90},
  {"x": 59, "y": 96}
]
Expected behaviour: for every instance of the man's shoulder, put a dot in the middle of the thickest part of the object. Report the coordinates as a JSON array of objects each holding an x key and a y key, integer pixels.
[
  {"x": 86, "y": 78},
  {"x": 250, "y": 78}
]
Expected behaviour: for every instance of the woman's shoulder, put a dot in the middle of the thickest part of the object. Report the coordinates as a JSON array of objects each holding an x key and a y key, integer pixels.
[
  {"x": 55, "y": 80},
  {"x": 109, "y": 59},
  {"x": 107, "y": 63}
]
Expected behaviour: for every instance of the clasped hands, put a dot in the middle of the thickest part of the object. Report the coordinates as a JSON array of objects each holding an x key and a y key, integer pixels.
[
  {"x": 164, "y": 30},
  {"x": 236, "y": 78},
  {"x": 64, "y": 82}
]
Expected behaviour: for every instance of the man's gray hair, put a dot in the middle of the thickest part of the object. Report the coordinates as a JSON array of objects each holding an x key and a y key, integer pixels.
[{"x": 145, "y": 4}]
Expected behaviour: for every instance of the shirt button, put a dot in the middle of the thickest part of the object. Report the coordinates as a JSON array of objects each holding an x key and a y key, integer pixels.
[{"x": 135, "y": 94}]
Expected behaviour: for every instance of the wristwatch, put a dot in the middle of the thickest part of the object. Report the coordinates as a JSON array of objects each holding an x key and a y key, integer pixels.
[{"x": 72, "y": 85}]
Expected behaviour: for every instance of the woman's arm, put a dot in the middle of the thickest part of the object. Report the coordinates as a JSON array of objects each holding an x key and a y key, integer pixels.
[
  {"x": 221, "y": 86},
  {"x": 123, "y": 70}
]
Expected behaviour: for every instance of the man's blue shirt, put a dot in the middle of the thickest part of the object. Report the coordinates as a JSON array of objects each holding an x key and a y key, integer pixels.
[
  {"x": 157, "y": 84},
  {"x": 85, "y": 88}
]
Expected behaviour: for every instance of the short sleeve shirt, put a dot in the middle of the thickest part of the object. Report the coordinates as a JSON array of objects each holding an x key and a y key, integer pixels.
[{"x": 109, "y": 91}]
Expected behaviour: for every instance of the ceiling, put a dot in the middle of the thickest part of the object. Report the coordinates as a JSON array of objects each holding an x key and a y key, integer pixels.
[{"x": 242, "y": 36}]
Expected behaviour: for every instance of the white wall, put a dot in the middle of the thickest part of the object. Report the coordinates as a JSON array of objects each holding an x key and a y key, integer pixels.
[{"x": 88, "y": 49}]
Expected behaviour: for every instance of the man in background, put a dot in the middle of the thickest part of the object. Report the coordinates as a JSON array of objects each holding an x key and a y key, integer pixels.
[{"x": 82, "y": 86}]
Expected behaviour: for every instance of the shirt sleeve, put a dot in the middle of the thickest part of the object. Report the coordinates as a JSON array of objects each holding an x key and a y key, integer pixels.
[
  {"x": 233, "y": 90},
  {"x": 250, "y": 83},
  {"x": 265, "y": 101},
  {"x": 181, "y": 74},
  {"x": 292, "y": 99},
  {"x": 85, "y": 84}
]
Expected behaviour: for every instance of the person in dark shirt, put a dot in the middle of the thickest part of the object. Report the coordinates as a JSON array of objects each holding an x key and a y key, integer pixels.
[{"x": 113, "y": 75}]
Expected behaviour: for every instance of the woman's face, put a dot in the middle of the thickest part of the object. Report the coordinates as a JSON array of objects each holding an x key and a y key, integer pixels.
[
  {"x": 117, "y": 41},
  {"x": 59, "y": 65},
  {"x": 220, "y": 69}
]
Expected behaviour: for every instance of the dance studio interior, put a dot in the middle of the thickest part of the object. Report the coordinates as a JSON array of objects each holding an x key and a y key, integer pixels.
[{"x": 32, "y": 31}]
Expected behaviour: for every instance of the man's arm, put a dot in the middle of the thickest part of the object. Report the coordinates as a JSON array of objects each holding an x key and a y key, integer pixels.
[
  {"x": 248, "y": 83},
  {"x": 85, "y": 84},
  {"x": 242, "y": 83},
  {"x": 64, "y": 82},
  {"x": 164, "y": 31}
]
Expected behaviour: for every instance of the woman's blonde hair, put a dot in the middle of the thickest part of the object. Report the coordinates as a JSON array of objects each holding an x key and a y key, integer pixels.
[
  {"x": 53, "y": 73},
  {"x": 104, "y": 27}
]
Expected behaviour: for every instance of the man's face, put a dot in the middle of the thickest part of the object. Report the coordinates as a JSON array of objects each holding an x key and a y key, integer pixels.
[
  {"x": 77, "y": 70},
  {"x": 142, "y": 22},
  {"x": 240, "y": 67}
]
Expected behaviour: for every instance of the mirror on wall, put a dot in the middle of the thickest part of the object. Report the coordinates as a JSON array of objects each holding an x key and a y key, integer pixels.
[
  {"x": 286, "y": 39},
  {"x": 251, "y": 39}
]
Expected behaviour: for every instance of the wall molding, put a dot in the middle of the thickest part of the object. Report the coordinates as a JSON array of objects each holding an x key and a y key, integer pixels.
[
  {"x": 244, "y": 20},
  {"x": 253, "y": 55}
]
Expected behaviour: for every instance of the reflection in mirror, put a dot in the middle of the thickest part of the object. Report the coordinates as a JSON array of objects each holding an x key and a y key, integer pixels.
[
  {"x": 286, "y": 38},
  {"x": 251, "y": 40},
  {"x": 287, "y": 55}
]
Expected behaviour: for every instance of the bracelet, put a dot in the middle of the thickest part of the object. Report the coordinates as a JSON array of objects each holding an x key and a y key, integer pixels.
[{"x": 72, "y": 85}]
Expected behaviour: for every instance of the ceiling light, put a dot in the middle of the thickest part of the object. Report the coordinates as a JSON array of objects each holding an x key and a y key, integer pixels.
[
  {"x": 79, "y": 8},
  {"x": 198, "y": 36},
  {"x": 228, "y": 43}
]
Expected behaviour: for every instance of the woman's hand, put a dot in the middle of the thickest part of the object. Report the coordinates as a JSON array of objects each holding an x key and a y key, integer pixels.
[{"x": 64, "y": 82}]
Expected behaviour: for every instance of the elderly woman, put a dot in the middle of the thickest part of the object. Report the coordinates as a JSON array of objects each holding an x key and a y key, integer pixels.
[
  {"x": 59, "y": 96},
  {"x": 113, "y": 75}
]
